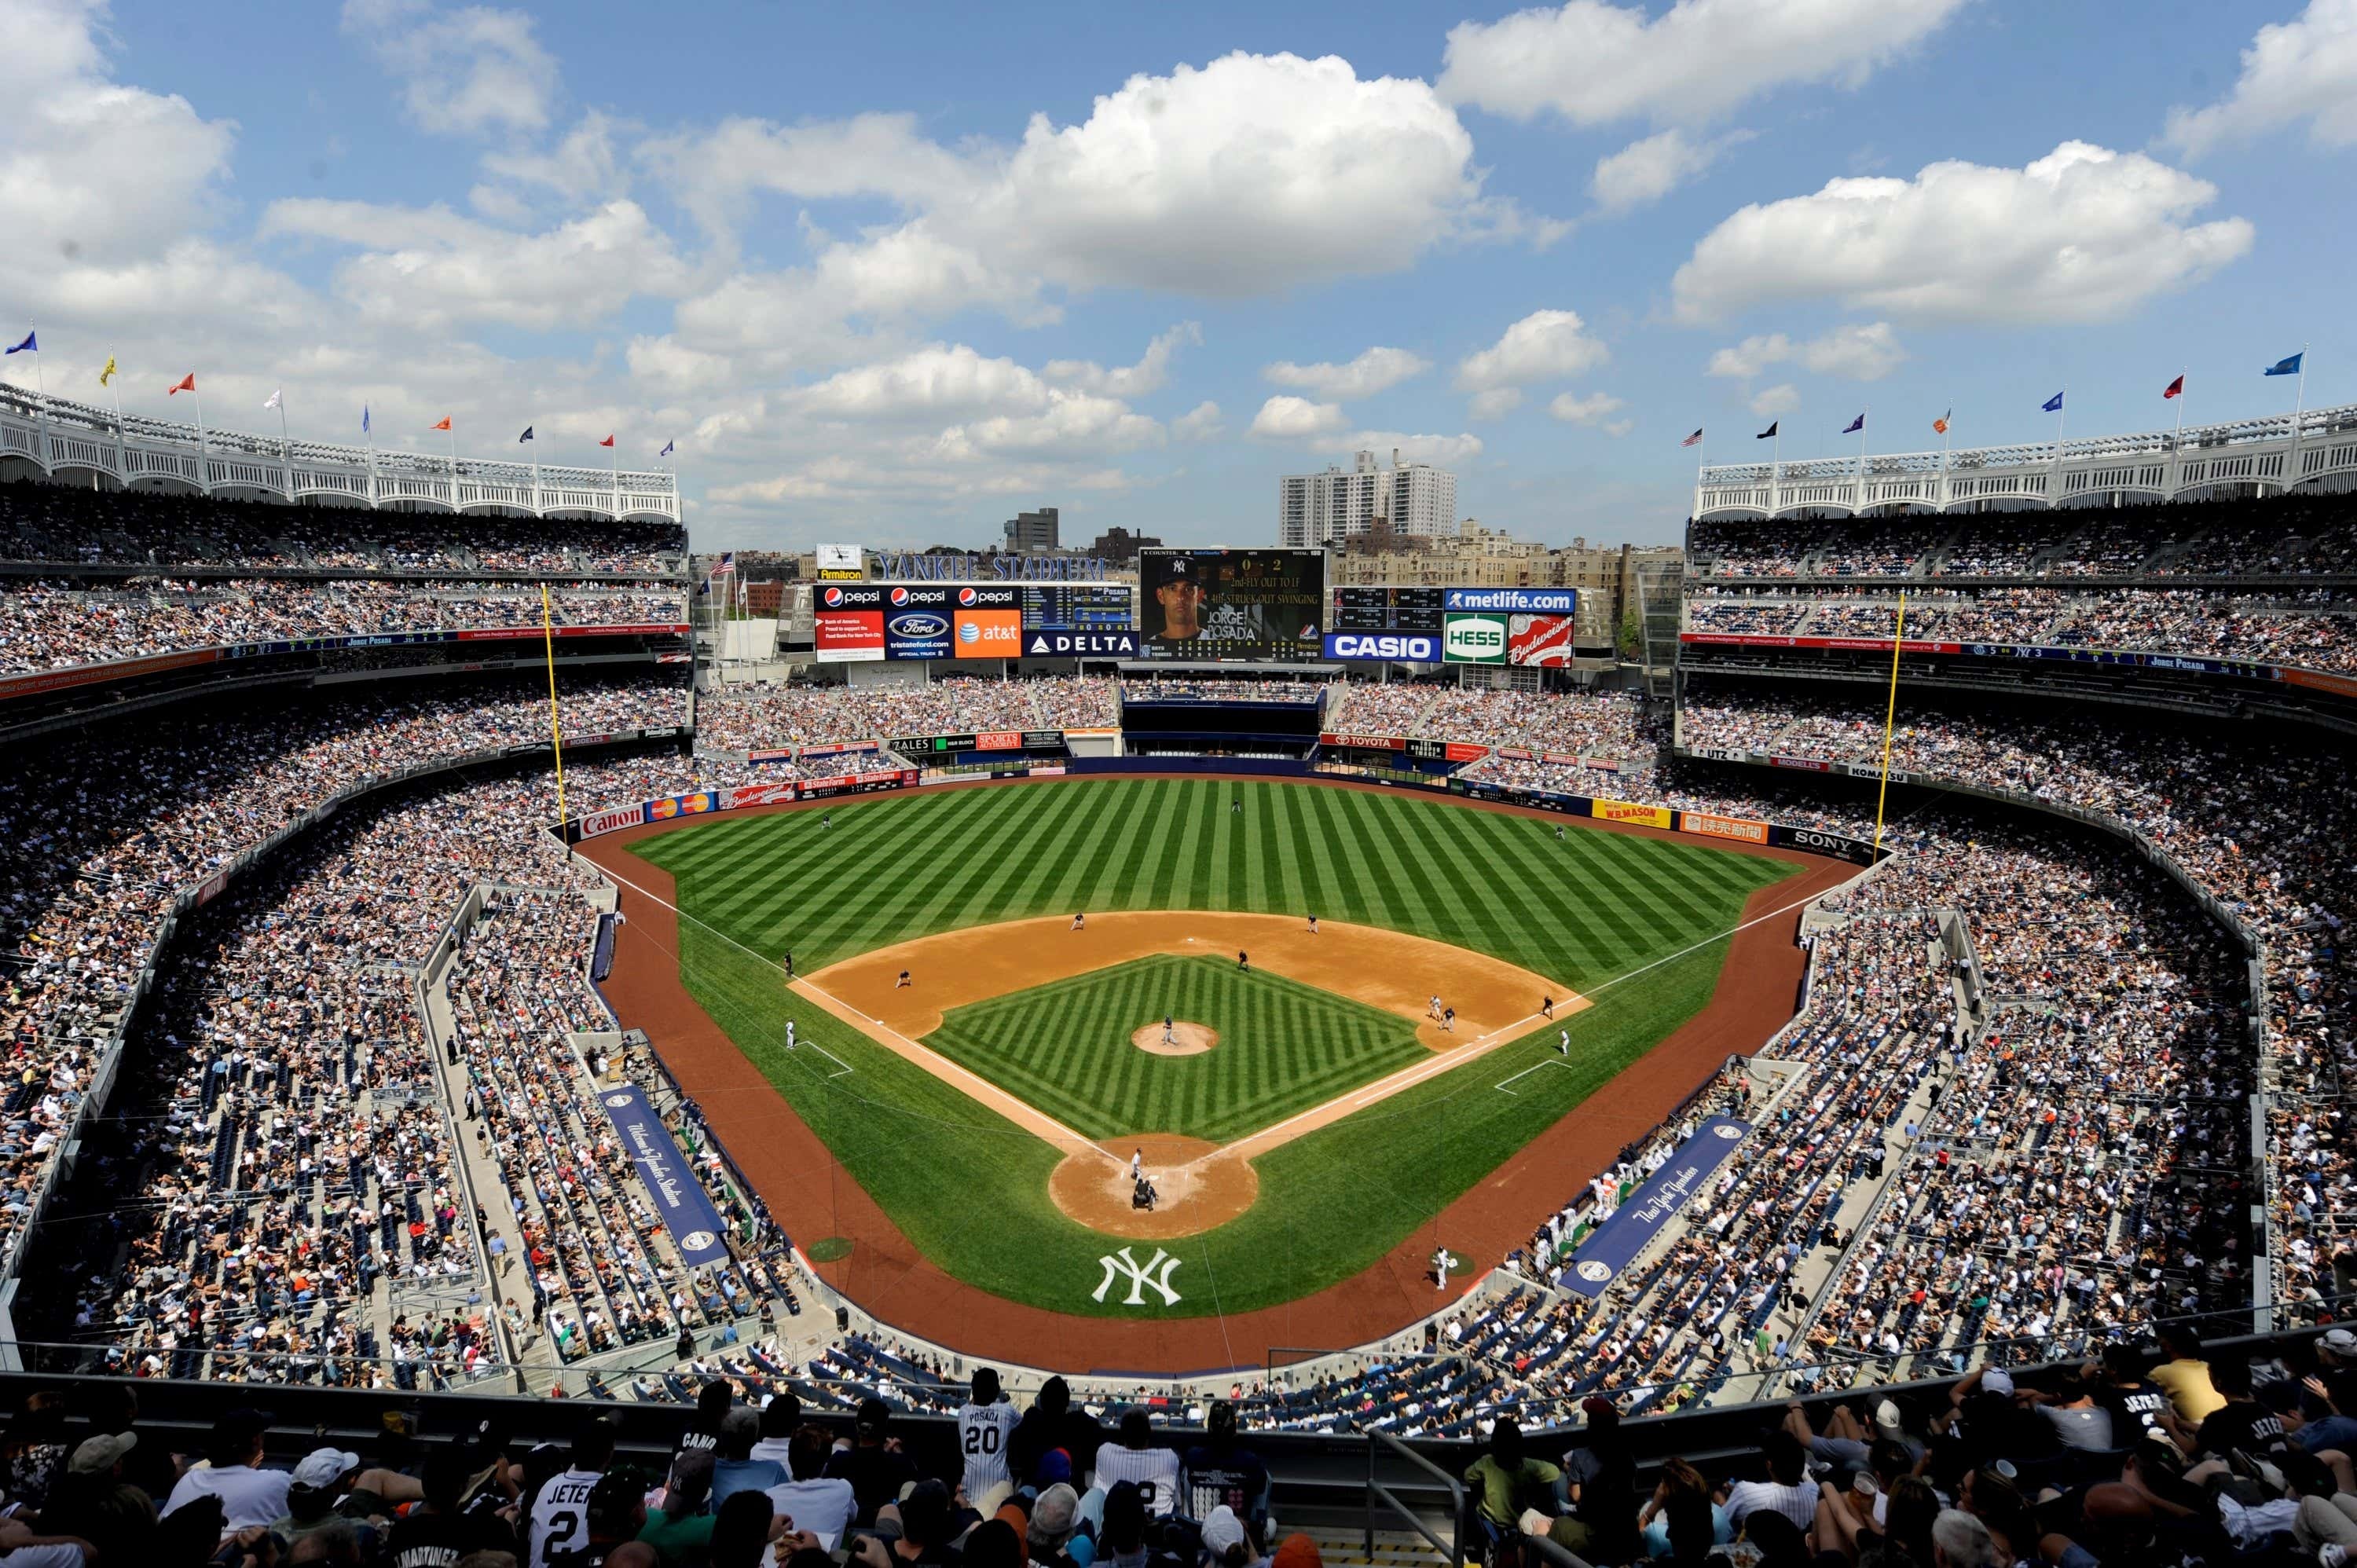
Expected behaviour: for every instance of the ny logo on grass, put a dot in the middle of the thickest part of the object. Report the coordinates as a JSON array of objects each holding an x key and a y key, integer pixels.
[{"x": 1155, "y": 1273}]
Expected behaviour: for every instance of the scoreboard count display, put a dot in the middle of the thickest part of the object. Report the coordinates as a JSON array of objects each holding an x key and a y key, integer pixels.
[
  {"x": 1078, "y": 607},
  {"x": 1388, "y": 610}
]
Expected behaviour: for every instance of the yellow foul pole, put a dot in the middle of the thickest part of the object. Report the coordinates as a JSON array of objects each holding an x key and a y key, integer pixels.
[
  {"x": 1889, "y": 720},
  {"x": 556, "y": 729}
]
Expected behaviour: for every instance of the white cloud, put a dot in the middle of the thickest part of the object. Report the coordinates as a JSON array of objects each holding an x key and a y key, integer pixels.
[
  {"x": 1782, "y": 398},
  {"x": 1201, "y": 423},
  {"x": 1863, "y": 352},
  {"x": 2084, "y": 233},
  {"x": 466, "y": 71},
  {"x": 1644, "y": 172},
  {"x": 1376, "y": 371},
  {"x": 1545, "y": 346},
  {"x": 2296, "y": 70},
  {"x": 440, "y": 267},
  {"x": 1151, "y": 372},
  {"x": 1590, "y": 409},
  {"x": 936, "y": 381},
  {"x": 1284, "y": 418},
  {"x": 1495, "y": 404},
  {"x": 1443, "y": 451},
  {"x": 1592, "y": 62},
  {"x": 584, "y": 166}
]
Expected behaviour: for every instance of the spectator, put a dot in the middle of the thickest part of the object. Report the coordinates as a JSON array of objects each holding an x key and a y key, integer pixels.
[
  {"x": 874, "y": 1464},
  {"x": 1139, "y": 1460}
]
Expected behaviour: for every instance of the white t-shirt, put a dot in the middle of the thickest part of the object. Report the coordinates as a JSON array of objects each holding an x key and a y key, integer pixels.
[
  {"x": 560, "y": 1520},
  {"x": 1155, "y": 1471},
  {"x": 1798, "y": 1504},
  {"x": 249, "y": 1497},
  {"x": 984, "y": 1431},
  {"x": 824, "y": 1507},
  {"x": 778, "y": 1451}
]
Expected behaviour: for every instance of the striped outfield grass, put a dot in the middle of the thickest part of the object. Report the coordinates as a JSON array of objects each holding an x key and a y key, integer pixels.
[
  {"x": 970, "y": 1188},
  {"x": 1284, "y": 1047}
]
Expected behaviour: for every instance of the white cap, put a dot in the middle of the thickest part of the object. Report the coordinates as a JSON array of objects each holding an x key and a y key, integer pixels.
[{"x": 325, "y": 1466}]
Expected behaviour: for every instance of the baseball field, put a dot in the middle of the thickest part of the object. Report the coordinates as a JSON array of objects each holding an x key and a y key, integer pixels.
[{"x": 1306, "y": 1113}]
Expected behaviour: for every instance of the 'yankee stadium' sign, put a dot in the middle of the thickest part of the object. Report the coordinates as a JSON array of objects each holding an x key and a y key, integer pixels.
[{"x": 1614, "y": 1245}]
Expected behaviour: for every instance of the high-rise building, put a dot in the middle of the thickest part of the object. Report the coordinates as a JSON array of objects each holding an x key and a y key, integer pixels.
[
  {"x": 1032, "y": 533},
  {"x": 1334, "y": 508}
]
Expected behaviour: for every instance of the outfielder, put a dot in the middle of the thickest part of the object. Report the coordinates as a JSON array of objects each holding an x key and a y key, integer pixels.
[{"x": 790, "y": 1034}]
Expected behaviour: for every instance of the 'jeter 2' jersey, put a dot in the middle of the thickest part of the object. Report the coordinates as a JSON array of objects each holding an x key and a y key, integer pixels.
[{"x": 984, "y": 1432}]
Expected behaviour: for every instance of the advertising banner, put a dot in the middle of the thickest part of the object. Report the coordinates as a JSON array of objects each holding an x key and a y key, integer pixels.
[
  {"x": 1633, "y": 812},
  {"x": 847, "y": 622},
  {"x": 858, "y": 783},
  {"x": 747, "y": 795},
  {"x": 1043, "y": 739},
  {"x": 1464, "y": 751},
  {"x": 1121, "y": 644},
  {"x": 1615, "y": 1244},
  {"x": 1858, "y": 851},
  {"x": 1717, "y": 827},
  {"x": 1377, "y": 742},
  {"x": 693, "y": 805},
  {"x": 211, "y": 887},
  {"x": 1408, "y": 647},
  {"x": 1514, "y": 601},
  {"x": 687, "y": 1211},
  {"x": 840, "y": 563},
  {"x": 837, "y": 748},
  {"x": 511, "y": 633},
  {"x": 88, "y": 674},
  {"x": 1805, "y": 764},
  {"x": 916, "y": 622},
  {"x": 989, "y": 634},
  {"x": 1538, "y": 641},
  {"x": 613, "y": 819},
  {"x": 1232, "y": 604},
  {"x": 771, "y": 753},
  {"x": 1473, "y": 640}
]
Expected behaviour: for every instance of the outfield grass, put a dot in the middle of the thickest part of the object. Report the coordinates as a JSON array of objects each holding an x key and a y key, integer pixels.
[
  {"x": 1284, "y": 1047},
  {"x": 971, "y": 1189}
]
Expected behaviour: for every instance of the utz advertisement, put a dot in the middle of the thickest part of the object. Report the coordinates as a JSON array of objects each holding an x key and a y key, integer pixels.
[
  {"x": 1232, "y": 604},
  {"x": 1538, "y": 641},
  {"x": 847, "y": 622}
]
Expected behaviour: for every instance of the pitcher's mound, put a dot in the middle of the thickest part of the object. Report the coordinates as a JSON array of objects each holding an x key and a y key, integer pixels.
[
  {"x": 1186, "y": 1039},
  {"x": 1199, "y": 1185}
]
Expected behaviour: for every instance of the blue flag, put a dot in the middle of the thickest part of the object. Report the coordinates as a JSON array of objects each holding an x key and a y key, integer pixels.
[
  {"x": 29, "y": 346},
  {"x": 1767, "y": 433},
  {"x": 2281, "y": 367},
  {"x": 525, "y": 436},
  {"x": 1854, "y": 425},
  {"x": 365, "y": 426},
  {"x": 2052, "y": 405},
  {"x": 667, "y": 447}
]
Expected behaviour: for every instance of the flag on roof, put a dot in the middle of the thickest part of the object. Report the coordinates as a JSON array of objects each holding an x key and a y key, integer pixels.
[
  {"x": 1767, "y": 433},
  {"x": 443, "y": 425},
  {"x": 2052, "y": 405},
  {"x": 667, "y": 450},
  {"x": 2173, "y": 389},
  {"x": 187, "y": 383},
  {"x": 1854, "y": 425},
  {"x": 1940, "y": 424},
  {"x": 28, "y": 347},
  {"x": 1693, "y": 440},
  {"x": 364, "y": 422},
  {"x": 2281, "y": 367},
  {"x": 278, "y": 399},
  {"x": 525, "y": 436},
  {"x": 107, "y": 374},
  {"x": 607, "y": 442}
]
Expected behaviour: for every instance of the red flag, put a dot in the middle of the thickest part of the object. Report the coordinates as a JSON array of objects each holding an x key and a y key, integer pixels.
[
  {"x": 2175, "y": 387},
  {"x": 186, "y": 384},
  {"x": 444, "y": 425},
  {"x": 607, "y": 442}
]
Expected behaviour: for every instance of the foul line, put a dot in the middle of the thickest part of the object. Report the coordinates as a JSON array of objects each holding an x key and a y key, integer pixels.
[{"x": 1551, "y": 1061}]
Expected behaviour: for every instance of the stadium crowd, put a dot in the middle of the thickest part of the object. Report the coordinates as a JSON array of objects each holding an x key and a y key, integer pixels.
[
  {"x": 61, "y": 525},
  {"x": 741, "y": 718},
  {"x": 47, "y": 624}
]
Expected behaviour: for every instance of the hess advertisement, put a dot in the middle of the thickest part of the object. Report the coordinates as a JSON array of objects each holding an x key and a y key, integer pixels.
[
  {"x": 1535, "y": 641},
  {"x": 1232, "y": 604}
]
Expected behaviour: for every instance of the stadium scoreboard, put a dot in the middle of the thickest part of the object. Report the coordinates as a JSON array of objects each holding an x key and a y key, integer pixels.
[
  {"x": 1388, "y": 610},
  {"x": 1078, "y": 607}
]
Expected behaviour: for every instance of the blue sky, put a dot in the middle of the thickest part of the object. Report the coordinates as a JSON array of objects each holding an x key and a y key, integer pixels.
[{"x": 890, "y": 274}]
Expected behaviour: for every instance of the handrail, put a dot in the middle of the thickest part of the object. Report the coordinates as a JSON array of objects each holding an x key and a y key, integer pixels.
[{"x": 1452, "y": 1550}]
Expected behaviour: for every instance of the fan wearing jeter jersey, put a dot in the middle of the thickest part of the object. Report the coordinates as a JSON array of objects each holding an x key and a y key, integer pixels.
[
  {"x": 985, "y": 1425},
  {"x": 560, "y": 1509}
]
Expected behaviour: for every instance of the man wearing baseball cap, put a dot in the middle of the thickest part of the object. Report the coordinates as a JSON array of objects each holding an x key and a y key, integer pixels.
[{"x": 1178, "y": 591}]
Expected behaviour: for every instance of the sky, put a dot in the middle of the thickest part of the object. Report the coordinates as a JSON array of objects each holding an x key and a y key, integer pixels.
[{"x": 888, "y": 274}]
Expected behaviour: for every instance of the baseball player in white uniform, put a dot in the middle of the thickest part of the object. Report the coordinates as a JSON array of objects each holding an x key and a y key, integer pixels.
[
  {"x": 985, "y": 1425},
  {"x": 1440, "y": 1267},
  {"x": 790, "y": 1034},
  {"x": 1137, "y": 1163}
]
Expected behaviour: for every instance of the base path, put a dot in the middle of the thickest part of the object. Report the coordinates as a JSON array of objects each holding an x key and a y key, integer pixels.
[{"x": 810, "y": 1194}]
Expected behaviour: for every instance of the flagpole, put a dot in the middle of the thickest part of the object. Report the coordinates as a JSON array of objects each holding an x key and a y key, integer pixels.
[
  {"x": 286, "y": 448},
  {"x": 453, "y": 433},
  {"x": 41, "y": 385},
  {"x": 2178, "y": 439},
  {"x": 369, "y": 433},
  {"x": 1862, "y": 412},
  {"x": 2299, "y": 407},
  {"x": 1775, "y": 463},
  {"x": 204, "y": 456},
  {"x": 2061, "y": 410},
  {"x": 121, "y": 460}
]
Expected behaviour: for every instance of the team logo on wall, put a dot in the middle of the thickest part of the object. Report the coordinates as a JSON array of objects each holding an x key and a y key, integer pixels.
[{"x": 1594, "y": 1273}]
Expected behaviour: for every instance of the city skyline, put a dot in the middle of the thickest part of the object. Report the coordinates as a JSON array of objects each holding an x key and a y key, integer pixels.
[{"x": 890, "y": 276}]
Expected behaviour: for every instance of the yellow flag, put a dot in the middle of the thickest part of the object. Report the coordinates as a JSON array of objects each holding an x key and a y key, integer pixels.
[{"x": 107, "y": 374}]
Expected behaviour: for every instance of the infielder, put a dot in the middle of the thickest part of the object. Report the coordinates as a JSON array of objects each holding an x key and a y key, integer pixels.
[
  {"x": 790, "y": 1034},
  {"x": 1449, "y": 1020},
  {"x": 1080, "y": 922},
  {"x": 901, "y": 984},
  {"x": 1440, "y": 1267},
  {"x": 1169, "y": 1033},
  {"x": 1313, "y": 925},
  {"x": 1433, "y": 1007},
  {"x": 1563, "y": 1042},
  {"x": 1546, "y": 1006}
]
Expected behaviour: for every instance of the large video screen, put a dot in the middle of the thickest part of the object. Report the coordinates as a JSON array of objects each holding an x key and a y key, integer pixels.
[{"x": 1232, "y": 604}]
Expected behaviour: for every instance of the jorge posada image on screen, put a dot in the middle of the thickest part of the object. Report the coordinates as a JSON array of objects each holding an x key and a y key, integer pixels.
[{"x": 1232, "y": 604}]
